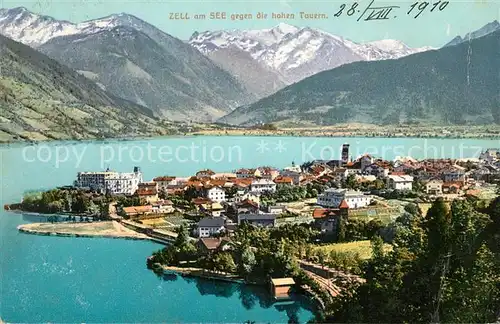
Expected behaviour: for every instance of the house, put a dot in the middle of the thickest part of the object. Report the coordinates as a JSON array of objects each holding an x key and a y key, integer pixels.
[
  {"x": 454, "y": 173},
  {"x": 365, "y": 161},
  {"x": 294, "y": 175},
  {"x": 376, "y": 170},
  {"x": 399, "y": 182},
  {"x": 247, "y": 207},
  {"x": 434, "y": 187},
  {"x": 163, "y": 207},
  {"x": 214, "y": 193},
  {"x": 210, "y": 226},
  {"x": 208, "y": 245},
  {"x": 242, "y": 196},
  {"x": 340, "y": 174},
  {"x": 263, "y": 185},
  {"x": 247, "y": 173},
  {"x": 353, "y": 168},
  {"x": 260, "y": 220},
  {"x": 268, "y": 173},
  {"x": 165, "y": 182},
  {"x": 136, "y": 211},
  {"x": 453, "y": 187},
  {"x": 332, "y": 198},
  {"x": 214, "y": 209},
  {"x": 148, "y": 192},
  {"x": 277, "y": 210},
  {"x": 284, "y": 181},
  {"x": 326, "y": 219},
  {"x": 206, "y": 173}
]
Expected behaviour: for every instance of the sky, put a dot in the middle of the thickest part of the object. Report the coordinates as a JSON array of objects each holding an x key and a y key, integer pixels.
[{"x": 429, "y": 29}]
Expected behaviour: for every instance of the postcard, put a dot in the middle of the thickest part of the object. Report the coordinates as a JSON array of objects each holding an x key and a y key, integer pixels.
[{"x": 217, "y": 161}]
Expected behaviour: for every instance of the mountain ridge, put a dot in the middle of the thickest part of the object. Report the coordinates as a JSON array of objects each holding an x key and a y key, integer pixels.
[
  {"x": 450, "y": 85},
  {"x": 42, "y": 99},
  {"x": 185, "y": 85}
]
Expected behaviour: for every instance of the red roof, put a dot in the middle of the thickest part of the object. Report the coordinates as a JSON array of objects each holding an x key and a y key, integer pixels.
[
  {"x": 320, "y": 213},
  {"x": 344, "y": 205},
  {"x": 283, "y": 180}
]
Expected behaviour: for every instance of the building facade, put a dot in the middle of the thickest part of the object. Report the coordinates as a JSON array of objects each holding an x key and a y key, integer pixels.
[
  {"x": 215, "y": 194},
  {"x": 208, "y": 227},
  {"x": 114, "y": 183},
  {"x": 332, "y": 198},
  {"x": 263, "y": 185},
  {"x": 400, "y": 182}
]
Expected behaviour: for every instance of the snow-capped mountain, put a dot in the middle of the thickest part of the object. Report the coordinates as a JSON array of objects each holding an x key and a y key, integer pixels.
[
  {"x": 134, "y": 60},
  {"x": 296, "y": 53},
  {"x": 34, "y": 30}
]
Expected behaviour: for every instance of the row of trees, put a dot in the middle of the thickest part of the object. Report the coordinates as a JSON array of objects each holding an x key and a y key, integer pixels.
[
  {"x": 62, "y": 200},
  {"x": 287, "y": 193},
  {"x": 443, "y": 268},
  {"x": 256, "y": 253}
]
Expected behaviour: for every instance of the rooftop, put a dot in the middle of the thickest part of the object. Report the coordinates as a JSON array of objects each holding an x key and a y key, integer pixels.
[
  {"x": 257, "y": 216},
  {"x": 283, "y": 282},
  {"x": 211, "y": 222}
]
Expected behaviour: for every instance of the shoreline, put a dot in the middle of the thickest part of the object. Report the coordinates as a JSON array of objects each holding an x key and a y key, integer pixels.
[
  {"x": 106, "y": 229},
  {"x": 320, "y": 132},
  {"x": 202, "y": 273}
]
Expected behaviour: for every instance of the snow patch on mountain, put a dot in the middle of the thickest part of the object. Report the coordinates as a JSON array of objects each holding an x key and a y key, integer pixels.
[
  {"x": 286, "y": 48},
  {"x": 34, "y": 30}
]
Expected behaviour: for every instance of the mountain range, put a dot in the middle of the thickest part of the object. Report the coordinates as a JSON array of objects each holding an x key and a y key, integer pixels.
[
  {"x": 483, "y": 31},
  {"x": 133, "y": 60},
  {"x": 41, "y": 99},
  {"x": 285, "y": 73},
  {"x": 453, "y": 85},
  {"x": 287, "y": 54}
]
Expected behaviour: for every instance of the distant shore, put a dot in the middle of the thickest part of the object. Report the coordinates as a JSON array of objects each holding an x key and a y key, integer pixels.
[
  {"x": 108, "y": 229},
  {"x": 353, "y": 130},
  {"x": 340, "y": 130}
]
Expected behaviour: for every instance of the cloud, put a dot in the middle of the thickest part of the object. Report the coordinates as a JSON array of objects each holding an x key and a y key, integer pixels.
[{"x": 448, "y": 30}]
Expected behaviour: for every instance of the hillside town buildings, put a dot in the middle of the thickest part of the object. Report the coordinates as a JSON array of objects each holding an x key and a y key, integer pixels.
[{"x": 218, "y": 202}]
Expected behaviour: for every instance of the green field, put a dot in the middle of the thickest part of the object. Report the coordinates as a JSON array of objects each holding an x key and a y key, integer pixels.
[{"x": 362, "y": 248}]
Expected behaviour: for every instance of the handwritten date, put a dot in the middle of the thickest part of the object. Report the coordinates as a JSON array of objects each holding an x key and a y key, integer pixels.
[{"x": 373, "y": 12}]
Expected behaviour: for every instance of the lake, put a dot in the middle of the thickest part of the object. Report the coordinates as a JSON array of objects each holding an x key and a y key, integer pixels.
[{"x": 61, "y": 279}]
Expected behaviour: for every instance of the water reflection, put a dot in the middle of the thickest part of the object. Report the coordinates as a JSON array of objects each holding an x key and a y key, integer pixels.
[{"x": 250, "y": 296}]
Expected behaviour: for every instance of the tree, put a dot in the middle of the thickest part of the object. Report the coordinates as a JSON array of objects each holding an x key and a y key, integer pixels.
[
  {"x": 441, "y": 269},
  {"x": 247, "y": 261},
  {"x": 81, "y": 203},
  {"x": 224, "y": 262},
  {"x": 182, "y": 236}
]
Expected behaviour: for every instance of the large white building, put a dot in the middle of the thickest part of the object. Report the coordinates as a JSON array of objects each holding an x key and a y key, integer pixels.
[
  {"x": 263, "y": 185},
  {"x": 115, "y": 183},
  {"x": 332, "y": 198},
  {"x": 215, "y": 194},
  {"x": 400, "y": 182}
]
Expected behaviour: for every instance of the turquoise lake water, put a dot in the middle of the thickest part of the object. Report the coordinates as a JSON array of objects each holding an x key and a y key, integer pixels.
[{"x": 57, "y": 279}]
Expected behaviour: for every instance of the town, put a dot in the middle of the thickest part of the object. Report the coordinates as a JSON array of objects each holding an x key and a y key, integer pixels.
[
  {"x": 310, "y": 228},
  {"x": 214, "y": 204}
]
